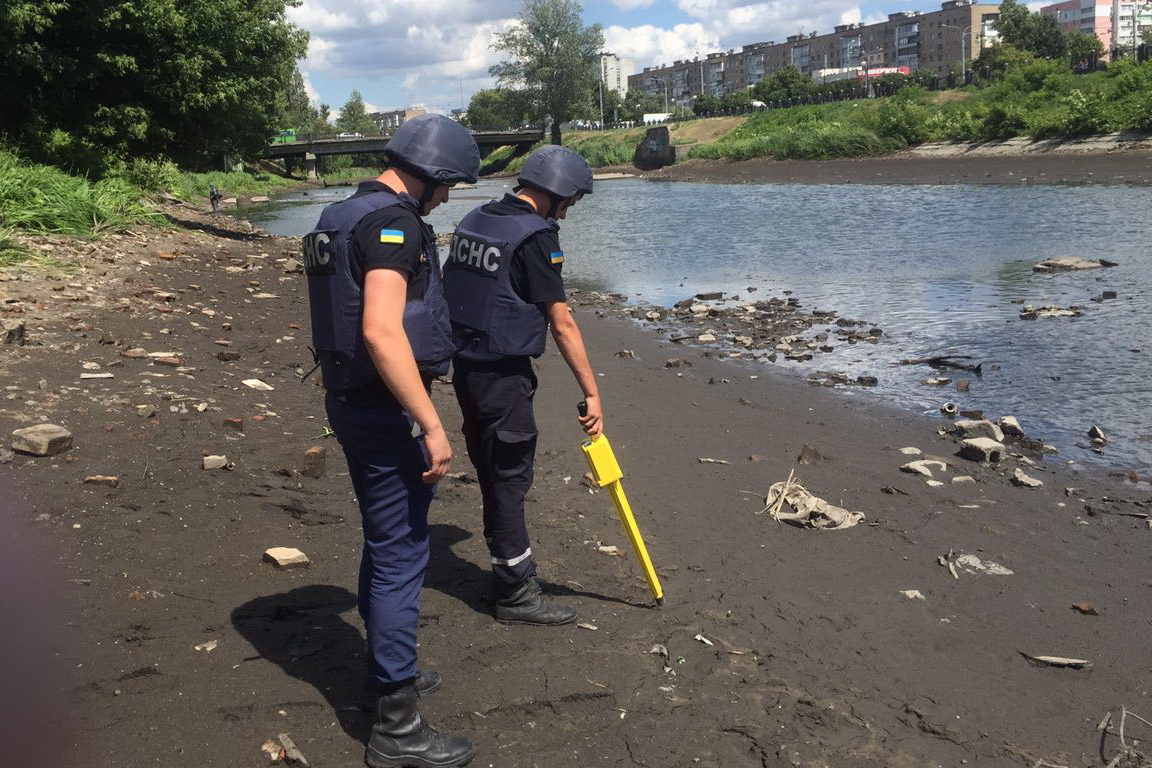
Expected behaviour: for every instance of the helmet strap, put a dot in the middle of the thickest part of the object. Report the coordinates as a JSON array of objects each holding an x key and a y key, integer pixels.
[{"x": 555, "y": 202}]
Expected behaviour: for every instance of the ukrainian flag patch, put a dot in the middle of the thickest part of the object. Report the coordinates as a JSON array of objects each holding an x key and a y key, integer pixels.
[
  {"x": 392, "y": 236},
  {"x": 557, "y": 257}
]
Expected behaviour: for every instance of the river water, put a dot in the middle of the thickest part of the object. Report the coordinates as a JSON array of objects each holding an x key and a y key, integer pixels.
[{"x": 942, "y": 269}]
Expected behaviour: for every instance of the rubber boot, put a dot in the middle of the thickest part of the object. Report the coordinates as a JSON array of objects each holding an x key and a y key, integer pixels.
[
  {"x": 427, "y": 681},
  {"x": 402, "y": 738},
  {"x": 527, "y": 604}
]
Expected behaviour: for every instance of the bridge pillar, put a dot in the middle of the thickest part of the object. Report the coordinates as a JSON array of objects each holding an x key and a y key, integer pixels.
[{"x": 310, "y": 165}]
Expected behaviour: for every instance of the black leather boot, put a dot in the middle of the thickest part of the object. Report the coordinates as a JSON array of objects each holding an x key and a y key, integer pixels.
[
  {"x": 527, "y": 604},
  {"x": 402, "y": 738},
  {"x": 427, "y": 681}
]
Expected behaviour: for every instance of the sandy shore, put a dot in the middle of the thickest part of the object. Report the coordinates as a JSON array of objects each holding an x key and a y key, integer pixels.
[{"x": 785, "y": 646}]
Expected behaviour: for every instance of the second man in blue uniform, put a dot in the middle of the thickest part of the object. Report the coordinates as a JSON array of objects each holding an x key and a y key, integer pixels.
[{"x": 505, "y": 290}]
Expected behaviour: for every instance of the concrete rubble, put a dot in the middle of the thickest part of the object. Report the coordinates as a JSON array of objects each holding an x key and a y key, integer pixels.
[
  {"x": 1019, "y": 477},
  {"x": 982, "y": 449},
  {"x": 1071, "y": 264},
  {"x": 315, "y": 459},
  {"x": 42, "y": 440},
  {"x": 286, "y": 557},
  {"x": 966, "y": 428}
]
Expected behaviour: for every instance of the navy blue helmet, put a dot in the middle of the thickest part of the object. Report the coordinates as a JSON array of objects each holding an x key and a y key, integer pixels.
[
  {"x": 437, "y": 148},
  {"x": 557, "y": 170}
]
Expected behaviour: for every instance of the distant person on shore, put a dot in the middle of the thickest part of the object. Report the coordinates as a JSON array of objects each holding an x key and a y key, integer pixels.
[
  {"x": 381, "y": 333},
  {"x": 505, "y": 292},
  {"x": 215, "y": 196}
]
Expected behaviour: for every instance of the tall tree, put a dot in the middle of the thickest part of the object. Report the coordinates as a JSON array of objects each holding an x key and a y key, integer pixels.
[
  {"x": 152, "y": 77},
  {"x": 1036, "y": 33},
  {"x": 497, "y": 108},
  {"x": 354, "y": 117},
  {"x": 24, "y": 55},
  {"x": 298, "y": 110},
  {"x": 786, "y": 83},
  {"x": 552, "y": 58}
]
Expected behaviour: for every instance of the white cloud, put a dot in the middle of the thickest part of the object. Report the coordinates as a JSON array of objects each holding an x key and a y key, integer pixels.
[
  {"x": 313, "y": 94},
  {"x": 629, "y": 5},
  {"x": 740, "y": 22},
  {"x": 650, "y": 45}
]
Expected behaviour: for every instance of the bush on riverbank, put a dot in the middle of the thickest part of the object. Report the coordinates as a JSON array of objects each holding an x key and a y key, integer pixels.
[
  {"x": 42, "y": 199},
  {"x": 164, "y": 177}
]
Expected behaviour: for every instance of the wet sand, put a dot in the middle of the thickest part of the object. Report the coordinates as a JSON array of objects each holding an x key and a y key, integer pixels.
[{"x": 785, "y": 646}]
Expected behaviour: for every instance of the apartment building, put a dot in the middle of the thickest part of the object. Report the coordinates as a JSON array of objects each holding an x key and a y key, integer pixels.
[
  {"x": 1130, "y": 21},
  {"x": 935, "y": 40},
  {"x": 614, "y": 71},
  {"x": 390, "y": 121},
  {"x": 1118, "y": 24}
]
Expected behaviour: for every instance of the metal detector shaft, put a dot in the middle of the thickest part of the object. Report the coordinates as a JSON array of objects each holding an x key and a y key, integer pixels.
[{"x": 606, "y": 470}]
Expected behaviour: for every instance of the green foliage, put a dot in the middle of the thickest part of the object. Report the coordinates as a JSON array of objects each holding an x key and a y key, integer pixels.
[
  {"x": 1003, "y": 122},
  {"x": 297, "y": 111},
  {"x": 636, "y": 105},
  {"x": 608, "y": 147},
  {"x": 191, "y": 186},
  {"x": 354, "y": 117},
  {"x": 1085, "y": 113},
  {"x": 957, "y": 124},
  {"x": 902, "y": 120},
  {"x": 816, "y": 132},
  {"x": 1035, "y": 33},
  {"x": 498, "y": 108},
  {"x": 552, "y": 59},
  {"x": 786, "y": 83},
  {"x": 994, "y": 61},
  {"x": 1083, "y": 49},
  {"x": 150, "y": 175},
  {"x": 144, "y": 78},
  {"x": 38, "y": 198}
]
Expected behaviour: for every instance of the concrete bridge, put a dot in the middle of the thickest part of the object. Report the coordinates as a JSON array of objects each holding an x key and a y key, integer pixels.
[{"x": 306, "y": 151}]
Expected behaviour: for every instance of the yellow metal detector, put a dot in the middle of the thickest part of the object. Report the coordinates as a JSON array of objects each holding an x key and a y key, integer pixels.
[{"x": 606, "y": 470}]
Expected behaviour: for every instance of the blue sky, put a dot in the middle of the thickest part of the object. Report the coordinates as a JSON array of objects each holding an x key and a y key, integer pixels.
[{"x": 436, "y": 53}]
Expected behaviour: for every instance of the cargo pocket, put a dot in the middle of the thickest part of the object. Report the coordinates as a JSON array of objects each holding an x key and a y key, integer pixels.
[{"x": 516, "y": 434}]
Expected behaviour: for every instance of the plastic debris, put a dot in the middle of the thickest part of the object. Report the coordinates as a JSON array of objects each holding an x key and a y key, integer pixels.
[{"x": 809, "y": 511}]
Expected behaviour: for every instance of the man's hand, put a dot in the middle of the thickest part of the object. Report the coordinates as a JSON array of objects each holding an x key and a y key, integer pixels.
[
  {"x": 439, "y": 456},
  {"x": 592, "y": 421}
]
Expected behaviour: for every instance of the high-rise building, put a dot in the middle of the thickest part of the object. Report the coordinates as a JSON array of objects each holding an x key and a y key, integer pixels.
[
  {"x": 1092, "y": 17},
  {"x": 1130, "y": 22},
  {"x": 614, "y": 72},
  {"x": 938, "y": 41}
]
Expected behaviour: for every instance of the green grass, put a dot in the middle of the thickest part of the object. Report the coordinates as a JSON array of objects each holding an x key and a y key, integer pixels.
[
  {"x": 350, "y": 175},
  {"x": 1038, "y": 99},
  {"x": 13, "y": 254},
  {"x": 39, "y": 198}
]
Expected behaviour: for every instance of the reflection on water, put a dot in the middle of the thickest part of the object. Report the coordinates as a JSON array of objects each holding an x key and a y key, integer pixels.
[{"x": 942, "y": 269}]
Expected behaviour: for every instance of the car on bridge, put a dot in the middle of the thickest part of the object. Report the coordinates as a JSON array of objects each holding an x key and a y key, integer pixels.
[{"x": 348, "y": 135}]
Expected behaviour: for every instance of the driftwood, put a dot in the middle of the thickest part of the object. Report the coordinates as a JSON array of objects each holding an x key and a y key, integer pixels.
[
  {"x": 1128, "y": 756},
  {"x": 947, "y": 361},
  {"x": 1093, "y": 511}
]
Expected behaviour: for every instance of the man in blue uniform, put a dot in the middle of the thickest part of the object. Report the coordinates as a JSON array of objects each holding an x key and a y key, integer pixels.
[
  {"x": 381, "y": 333},
  {"x": 503, "y": 282}
]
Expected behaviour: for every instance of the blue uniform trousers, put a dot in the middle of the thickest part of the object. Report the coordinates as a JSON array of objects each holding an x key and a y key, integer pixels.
[
  {"x": 385, "y": 462},
  {"x": 500, "y": 432}
]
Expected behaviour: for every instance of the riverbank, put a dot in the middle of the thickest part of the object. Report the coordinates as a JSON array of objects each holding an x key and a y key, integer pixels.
[
  {"x": 932, "y": 164},
  {"x": 779, "y": 645}
]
